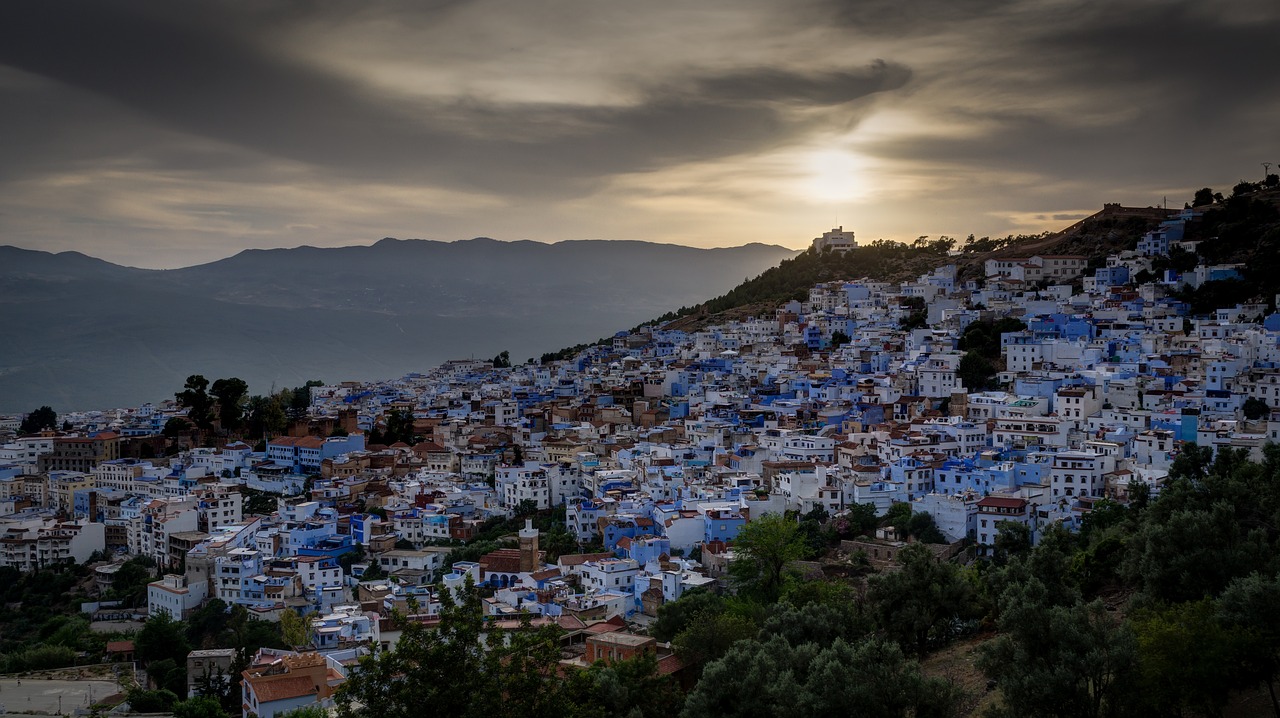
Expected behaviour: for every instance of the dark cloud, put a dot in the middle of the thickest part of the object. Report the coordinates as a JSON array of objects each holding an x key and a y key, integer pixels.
[
  {"x": 906, "y": 17},
  {"x": 217, "y": 80},
  {"x": 409, "y": 110},
  {"x": 1108, "y": 94},
  {"x": 829, "y": 88}
]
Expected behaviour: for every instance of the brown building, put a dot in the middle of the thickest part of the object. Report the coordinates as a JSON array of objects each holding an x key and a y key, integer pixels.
[
  {"x": 80, "y": 453},
  {"x": 617, "y": 646}
]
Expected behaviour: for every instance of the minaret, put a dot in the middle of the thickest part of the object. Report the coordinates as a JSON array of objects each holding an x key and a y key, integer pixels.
[{"x": 528, "y": 547}]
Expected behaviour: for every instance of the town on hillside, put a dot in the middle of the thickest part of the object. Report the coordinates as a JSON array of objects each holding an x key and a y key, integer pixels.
[{"x": 589, "y": 493}]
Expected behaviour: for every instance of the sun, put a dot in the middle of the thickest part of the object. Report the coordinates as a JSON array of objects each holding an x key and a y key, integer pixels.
[{"x": 832, "y": 175}]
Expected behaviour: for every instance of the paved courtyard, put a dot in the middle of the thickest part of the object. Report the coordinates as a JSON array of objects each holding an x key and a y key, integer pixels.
[{"x": 41, "y": 697}]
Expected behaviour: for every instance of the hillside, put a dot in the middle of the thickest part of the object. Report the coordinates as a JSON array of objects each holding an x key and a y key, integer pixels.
[
  {"x": 84, "y": 333},
  {"x": 1112, "y": 229}
]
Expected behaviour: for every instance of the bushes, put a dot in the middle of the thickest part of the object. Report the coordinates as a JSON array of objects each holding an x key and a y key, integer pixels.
[{"x": 38, "y": 658}]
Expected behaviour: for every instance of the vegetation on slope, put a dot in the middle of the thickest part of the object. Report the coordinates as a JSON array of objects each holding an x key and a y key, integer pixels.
[{"x": 1167, "y": 606}]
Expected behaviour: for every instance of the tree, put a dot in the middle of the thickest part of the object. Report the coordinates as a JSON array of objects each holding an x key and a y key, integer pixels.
[
  {"x": 144, "y": 701},
  {"x": 1013, "y": 538},
  {"x": 762, "y": 549},
  {"x": 299, "y": 399},
  {"x": 162, "y": 638},
  {"x": 1203, "y": 197},
  {"x": 1250, "y": 608},
  {"x": 459, "y": 670},
  {"x": 675, "y": 616},
  {"x": 230, "y": 395},
  {"x": 860, "y": 520},
  {"x": 1061, "y": 661},
  {"x": 265, "y": 416},
  {"x": 305, "y": 712},
  {"x": 39, "y": 420},
  {"x": 1255, "y": 409},
  {"x": 923, "y": 602},
  {"x": 976, "y": 372},
  {"x": 219, "y": 685},
  {"x": 898, "y": 515},
  {"x": 774, "y": 677},
  {"x": 174, "y": 427},
  {"x": 711, "y": 634},
  {"x": 839, "y": 339},
  {"x": 168, "y": 674},
  {"x": 815, "y": 533},
  {"x": 400, "y": 427},
  {"x": 295, "y": 629},
  {"x": 922, "y": 527},
  {"x": 131, "y": 579},
  {"x": 502, "y": 361},
  {"x": 195, "y": 397},
  {"x": 632, "y": 688},
  {"x": 1184, "y": 659},
  {"x": 199, "y": 707},
  {"x": 819, "y": 621}
]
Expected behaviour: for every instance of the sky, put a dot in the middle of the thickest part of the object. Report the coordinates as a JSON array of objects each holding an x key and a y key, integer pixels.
[{"x": 162, "y": 134}]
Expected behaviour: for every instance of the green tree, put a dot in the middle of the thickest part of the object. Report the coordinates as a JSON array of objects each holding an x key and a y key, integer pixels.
[
  {"x": 230, "y": 395},
  {"x": 710, "y": 635},
  {"x": 1203, "y": 196},
  {"x": 1060, "y": 661},
  {"x": 162, "y": 638},
  {"x": 502, "y": 361},
  {"x": 295, "y": 629},
  {"x": 898, "y": 515},
  {"x": 922, "y": 527},
  {"x": 265, "y": 416},
  {"x": 633, "y": 688},
  {"x": 1013, "y": 538},
  {"x": 675, "y": 616},
  {"x": 299, "y": 400},
  {"x": 144, "y": 701},
  {"x": 1255, "y": 409},
  {"x": 773, "y": 677},
  {"x": 976, "y": 372},
  {"x": 458, "y": 671},
  {"x": 195, "y": 397},
  {"x": 169, "y": 675},
  {"x": 39, "y": 420},
  {"x": 924, "y": 602},
  {"x": 1184, "y": 659},
  {"x": 819, "y": 621},
  {"x": 131, "y": 579},
  {"x": 174, "y": 427},
  {"x": 199, "y": 707},
  {"x": 1250, "y": 608},
  {"x": 220, "y": 686},
  {"x": 762, "y": 550},
  {"x": 305, "y": 712},
  {"x": 859, "y": 520},
  {"x": 400, "y": 427},
  {"x": 816, "y": 534}
]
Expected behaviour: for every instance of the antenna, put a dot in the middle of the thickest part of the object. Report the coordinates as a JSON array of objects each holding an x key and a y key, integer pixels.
[{"x": 1266, "y": 170}]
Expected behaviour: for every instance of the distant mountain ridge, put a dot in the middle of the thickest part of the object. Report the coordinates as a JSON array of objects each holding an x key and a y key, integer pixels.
[{"x": 86, "y": 333}]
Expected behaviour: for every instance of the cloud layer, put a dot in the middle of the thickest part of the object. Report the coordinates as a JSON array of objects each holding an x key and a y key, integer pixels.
[{"x": 164, "y": 134}]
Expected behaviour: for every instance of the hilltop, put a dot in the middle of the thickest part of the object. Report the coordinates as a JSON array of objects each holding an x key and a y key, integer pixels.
[{"x": 1243, "y": 228}]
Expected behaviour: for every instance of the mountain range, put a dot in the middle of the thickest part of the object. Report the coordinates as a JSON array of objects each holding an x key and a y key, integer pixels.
[{"x": 84, "y": 333}]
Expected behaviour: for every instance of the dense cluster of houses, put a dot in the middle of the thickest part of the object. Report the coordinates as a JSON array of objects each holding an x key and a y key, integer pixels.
[{"x": 660, "y": 445}]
